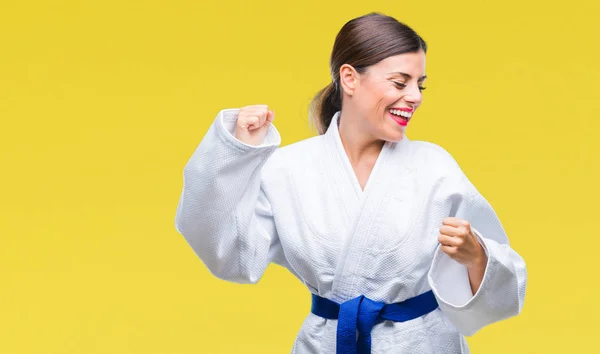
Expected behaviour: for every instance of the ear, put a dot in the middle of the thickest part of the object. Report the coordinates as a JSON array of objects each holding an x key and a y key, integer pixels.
[{"x": 348, "y": 79}]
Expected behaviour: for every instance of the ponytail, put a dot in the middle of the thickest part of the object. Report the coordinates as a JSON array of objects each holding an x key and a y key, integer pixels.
[{"x": 323, "y": 106}]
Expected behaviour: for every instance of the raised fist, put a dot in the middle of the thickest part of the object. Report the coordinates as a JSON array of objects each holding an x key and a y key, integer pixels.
[{"x": 253, "y": 124}]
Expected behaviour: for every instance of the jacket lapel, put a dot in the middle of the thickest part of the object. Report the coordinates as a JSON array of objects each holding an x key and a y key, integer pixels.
[{"x": 361, "y": 207}]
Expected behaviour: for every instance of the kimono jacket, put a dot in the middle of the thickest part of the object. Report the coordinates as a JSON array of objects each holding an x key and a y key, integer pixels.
[{"x": 302, "y": 207}]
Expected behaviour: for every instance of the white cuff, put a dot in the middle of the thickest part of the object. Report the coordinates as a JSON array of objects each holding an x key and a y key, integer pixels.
[
  {"x": 228, "y": 119},
  {"x": 449, "y": 279}
]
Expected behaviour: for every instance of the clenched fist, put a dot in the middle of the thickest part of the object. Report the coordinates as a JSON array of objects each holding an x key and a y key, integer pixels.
[
  {"x": 253, "y": 124},
  {"x": 459, "y": 243}
]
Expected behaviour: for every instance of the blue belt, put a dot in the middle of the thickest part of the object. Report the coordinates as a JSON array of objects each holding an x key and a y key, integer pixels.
[{"x": 363, "y": 314}]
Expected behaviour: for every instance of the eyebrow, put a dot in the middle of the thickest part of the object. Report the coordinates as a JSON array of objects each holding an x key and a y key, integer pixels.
[{"x": 407, "y": 76}]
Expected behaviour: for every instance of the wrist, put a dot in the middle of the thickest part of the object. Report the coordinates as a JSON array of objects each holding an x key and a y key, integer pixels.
[{"x": 480, "y": 260}]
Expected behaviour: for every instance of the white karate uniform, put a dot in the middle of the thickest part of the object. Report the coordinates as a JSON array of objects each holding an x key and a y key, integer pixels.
[{"x": 301, "y": 206}]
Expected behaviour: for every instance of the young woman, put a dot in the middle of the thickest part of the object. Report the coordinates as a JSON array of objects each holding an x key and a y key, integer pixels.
[{"x": 400, "y": 251}]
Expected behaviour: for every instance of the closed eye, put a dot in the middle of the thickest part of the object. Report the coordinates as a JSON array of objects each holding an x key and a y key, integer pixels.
[{"x": 401, "y": 86}]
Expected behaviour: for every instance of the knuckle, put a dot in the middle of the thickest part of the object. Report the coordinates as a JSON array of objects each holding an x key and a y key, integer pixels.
[{"x": 246, "y": 120}]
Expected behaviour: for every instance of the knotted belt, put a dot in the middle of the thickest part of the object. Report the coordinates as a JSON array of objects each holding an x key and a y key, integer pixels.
[{"x": 363, "y": 314}]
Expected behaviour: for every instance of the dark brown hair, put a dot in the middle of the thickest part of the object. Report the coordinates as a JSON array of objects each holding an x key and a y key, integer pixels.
[{"x": 362, "y": 42}]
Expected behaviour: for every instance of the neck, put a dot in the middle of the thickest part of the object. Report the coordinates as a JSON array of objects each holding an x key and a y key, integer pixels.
[{"x": 359, "y": 145}]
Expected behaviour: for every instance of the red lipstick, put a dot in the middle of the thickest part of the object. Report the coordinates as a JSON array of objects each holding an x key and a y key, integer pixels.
[
  {"x": 404, "y": 109},
  {"x": 403, "y": 122}
]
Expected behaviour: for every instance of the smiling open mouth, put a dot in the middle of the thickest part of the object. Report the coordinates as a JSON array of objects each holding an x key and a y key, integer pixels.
[{"x": 401, "y": 117}]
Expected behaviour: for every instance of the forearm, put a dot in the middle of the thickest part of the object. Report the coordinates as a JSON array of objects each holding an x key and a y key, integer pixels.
[
  {"x": 221, "y": 196},
  {"x": 476, "y": 272}
]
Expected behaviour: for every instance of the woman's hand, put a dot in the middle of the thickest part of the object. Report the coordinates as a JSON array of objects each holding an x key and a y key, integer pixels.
[
  {"x": 253, "y": 124},
  {"x": 459, "y": 243}
]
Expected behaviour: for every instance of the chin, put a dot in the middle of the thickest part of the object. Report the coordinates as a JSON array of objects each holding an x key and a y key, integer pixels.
[
  {"x": 394, "y": 136},
  {"x": 392, "y": 131}
]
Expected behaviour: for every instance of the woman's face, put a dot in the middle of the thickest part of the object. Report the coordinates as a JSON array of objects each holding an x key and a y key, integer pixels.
[{"x": 386, "y": 95}]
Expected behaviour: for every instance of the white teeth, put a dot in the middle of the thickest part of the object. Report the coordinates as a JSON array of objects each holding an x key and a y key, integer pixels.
[{"x": 401, "y": 113}]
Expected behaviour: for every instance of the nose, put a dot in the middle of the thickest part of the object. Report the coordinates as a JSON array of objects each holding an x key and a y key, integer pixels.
[{"x": 413, "y": 95}]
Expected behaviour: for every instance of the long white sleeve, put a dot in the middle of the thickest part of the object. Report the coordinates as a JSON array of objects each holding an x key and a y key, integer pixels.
[
  {"x": 223, "y": 212},
  {"x": 502, "y": 291}
]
